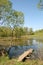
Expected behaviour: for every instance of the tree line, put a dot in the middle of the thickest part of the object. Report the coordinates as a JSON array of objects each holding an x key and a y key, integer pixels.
[{"x": 17, "y": 31}]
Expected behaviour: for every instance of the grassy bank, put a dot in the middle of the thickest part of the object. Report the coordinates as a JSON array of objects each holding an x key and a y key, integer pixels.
[
  {"x": 39, "y": 34},
  {"x": 6, "y": 61}
]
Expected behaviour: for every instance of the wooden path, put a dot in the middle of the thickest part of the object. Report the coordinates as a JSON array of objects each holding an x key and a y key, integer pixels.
[{"x": 24, "y": 55}]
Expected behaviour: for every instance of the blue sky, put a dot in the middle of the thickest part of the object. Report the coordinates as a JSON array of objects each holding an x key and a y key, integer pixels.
[{"x": 33, "y": 17}]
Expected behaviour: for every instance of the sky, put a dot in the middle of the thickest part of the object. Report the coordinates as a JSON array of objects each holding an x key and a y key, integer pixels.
[{"x": 33, "y": 17}]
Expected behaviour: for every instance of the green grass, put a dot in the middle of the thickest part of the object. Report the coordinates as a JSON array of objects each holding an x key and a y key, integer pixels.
[{"x": 6, "y": 61}]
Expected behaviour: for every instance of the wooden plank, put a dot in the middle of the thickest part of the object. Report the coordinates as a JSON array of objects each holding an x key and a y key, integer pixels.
[{"x": 21, "y": 57}]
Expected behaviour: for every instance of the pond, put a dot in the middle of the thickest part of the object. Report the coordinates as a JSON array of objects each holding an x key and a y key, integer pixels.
[{"x": 18, "y": 49}]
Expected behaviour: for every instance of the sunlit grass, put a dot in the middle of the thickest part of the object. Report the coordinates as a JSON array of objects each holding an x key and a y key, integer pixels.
[{"x": 7, "y": 61}]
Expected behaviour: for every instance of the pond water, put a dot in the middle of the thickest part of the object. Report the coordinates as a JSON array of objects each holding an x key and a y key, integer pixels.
[{"x": 16, "y": 50}]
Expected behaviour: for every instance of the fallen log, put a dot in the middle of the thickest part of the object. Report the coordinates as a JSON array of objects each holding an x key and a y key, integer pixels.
[
  {"x": 2, "y": 52},
  {"x": 25, "y": 54}
]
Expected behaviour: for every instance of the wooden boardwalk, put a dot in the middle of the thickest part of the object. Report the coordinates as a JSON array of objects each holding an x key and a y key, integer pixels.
[{"x": 24, "y": 55}]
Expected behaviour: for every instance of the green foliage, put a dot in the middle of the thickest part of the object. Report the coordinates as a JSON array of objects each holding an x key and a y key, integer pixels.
[
  {"x": 38, "y": 34},
  {"x": 31, "y": 31},
  {"x": 40, "y": 4},
  {"x": 10, "y": 18},
  {"x": 39, "y": 31},
  {"x": 5, "y": 32},
  {"x": 14, "y": 19},
  {"x": 17, "y": 31},
  {"x": 5, "y": 7}
]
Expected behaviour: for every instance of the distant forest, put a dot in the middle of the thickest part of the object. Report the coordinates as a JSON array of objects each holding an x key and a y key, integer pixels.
[{"x": 18, "y": 31}]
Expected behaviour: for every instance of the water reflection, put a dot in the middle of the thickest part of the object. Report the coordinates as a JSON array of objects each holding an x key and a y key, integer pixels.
[
  {"x": 19, "y": 46},
  {"x": 17, "y": 42}
]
